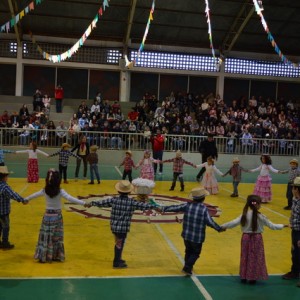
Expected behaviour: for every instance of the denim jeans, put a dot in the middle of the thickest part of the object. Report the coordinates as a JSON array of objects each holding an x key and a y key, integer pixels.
[
  {"x": 235, "y": 187},
  {"x": 94, "y": 170},
  {"x": 295, "y": 252},
  {"x": 119, "y": 245},
  {"x": 4, "y": 227},
  {"x": 192, "y": 253}
]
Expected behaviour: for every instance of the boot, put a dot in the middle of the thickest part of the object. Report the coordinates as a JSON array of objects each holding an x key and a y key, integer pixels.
[{"x": 182, "y": 188}]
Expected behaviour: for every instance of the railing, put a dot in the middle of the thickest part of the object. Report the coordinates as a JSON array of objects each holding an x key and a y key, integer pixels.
[{"x": 138, "y": 141}]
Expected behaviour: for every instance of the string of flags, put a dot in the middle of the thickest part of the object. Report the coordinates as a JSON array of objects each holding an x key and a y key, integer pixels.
[
  {"x": 218, "y": 61},
  {"x": 130, "y": 64},
  {"x": 259, "y": 8},
  {"x": 15, "y": 19},
  {"x": 57, "y": 58}
]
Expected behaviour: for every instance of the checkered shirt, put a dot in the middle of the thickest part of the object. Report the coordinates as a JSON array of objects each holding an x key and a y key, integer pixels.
[
  {"x": 295, "y": 215},
  {"x": 6, "y": 193},
  {"x": 178, "y": 164},
  {"x": 293, "y": 173},
  {"x": 122, "y": 208},
  {"x": 127, "y": 163},
  {"x": 64, "y": 156},
  {"x": 195, "y": 220}
]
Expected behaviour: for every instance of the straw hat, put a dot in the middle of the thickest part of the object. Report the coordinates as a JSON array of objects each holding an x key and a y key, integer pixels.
[
  {"x": 128, "y": 152},
  {"x": 198, "y": 193},
  {"x": 66, "y": 145},
  {"x": 296, "y": 181},
  {"x": 294, "y": 161},
  {"x": 4, "y": 170},
  {"x": 178, "y": 153},
  {"x": 124, "y": 186},
  {"x": 235, "y": 159},
  {"x": 94, "y": 148}
]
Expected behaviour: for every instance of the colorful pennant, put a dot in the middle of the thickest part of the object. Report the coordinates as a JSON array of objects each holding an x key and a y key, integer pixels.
[
  {"x": 283, "y": 58},
  {"x": 15, "y": 19},
  {"x": 129, "y": 64}
]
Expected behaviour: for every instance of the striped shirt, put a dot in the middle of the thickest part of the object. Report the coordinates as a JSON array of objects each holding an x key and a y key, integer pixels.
[
  {"x": 178, "y": 164},
  {"x": 6, "y": 193},
  {"x": 122, "y": 208},
  {"x": 295, "y": 215},
  {"x": 64, "y": 155},
  {"x": 196, "y": 218}
]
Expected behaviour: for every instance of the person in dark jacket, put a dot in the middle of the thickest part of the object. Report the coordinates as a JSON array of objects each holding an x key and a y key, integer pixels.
[{"x": 207, "y": 148}]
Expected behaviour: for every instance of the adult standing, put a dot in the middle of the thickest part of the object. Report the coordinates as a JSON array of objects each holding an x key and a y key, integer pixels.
[
  {"x": 295, "y": 226},
  {"x": 83, "y": 150},
  {"x": 207, "y": 148},
  {"x": 158, "y": 144},
  {"x": 59, "y": 96}
]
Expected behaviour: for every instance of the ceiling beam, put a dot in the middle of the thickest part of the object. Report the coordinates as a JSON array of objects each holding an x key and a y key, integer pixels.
[
  {"x": 237, "y": 26},
  {"x": 129, "y": 25},
  {"x": 13, "y": 8}
]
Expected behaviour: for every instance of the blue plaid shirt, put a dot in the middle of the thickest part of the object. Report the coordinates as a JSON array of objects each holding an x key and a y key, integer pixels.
[
  {"x": 295, "y": 215},
  {"x": 6, "y": 193},
  {"x": 2, "y": 151},
  {"x": 63, "y": 156},
  {"x": 122, "y": 208},
  {"x": 195, "y": 219}
]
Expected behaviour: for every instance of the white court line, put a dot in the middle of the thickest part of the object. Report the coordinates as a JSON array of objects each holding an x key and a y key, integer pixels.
[
  {"x": 118, "y": 170},
  {"x": 197, "y": 282}
]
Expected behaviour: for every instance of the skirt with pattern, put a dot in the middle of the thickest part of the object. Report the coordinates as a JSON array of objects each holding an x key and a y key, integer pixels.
[
  {"x": 32, "y": 170},
  {"x": 263, "y": 188},
  {"x": 210, "y": 183},
  {"x": 253, "y": 263},
  {"x": 50, "y": 245}
]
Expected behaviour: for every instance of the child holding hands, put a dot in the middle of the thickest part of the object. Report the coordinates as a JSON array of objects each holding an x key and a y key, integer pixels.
[{"x": 128, "y": 165}]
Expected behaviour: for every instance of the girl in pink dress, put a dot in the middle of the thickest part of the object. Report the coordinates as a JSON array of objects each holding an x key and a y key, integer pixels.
[
  {"x": 263, "y": 183},
  {"x": 32, "y": 165},
  {"x": 146, "y": 164},
  {"x": 209, "y": 180}
]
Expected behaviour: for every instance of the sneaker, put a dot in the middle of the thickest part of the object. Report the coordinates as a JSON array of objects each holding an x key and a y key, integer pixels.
[
  {"x": 187, "y": 271},
  {"x": 287, "y": 208},
  {"x": 7, "y": 246},
  {"x": 120, "y": 265},
  {"x": 290, "y": 275},
  {"x": 91, "y": 182}
]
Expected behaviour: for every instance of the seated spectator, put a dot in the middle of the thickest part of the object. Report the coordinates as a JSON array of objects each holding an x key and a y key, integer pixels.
[
  {"x": 116, "y": 106},
  {"x": 4, "y": 119},
  {"x": 24, "y": 111},
  {"x": 83, "y": 107},
  {"x": 24, "y": 134},
  {"x": 46, "y": 103},
  {"x": 95, "y": 106},
  {"x": 247, "y": 142},
  {"x": 61, "y": 133}
]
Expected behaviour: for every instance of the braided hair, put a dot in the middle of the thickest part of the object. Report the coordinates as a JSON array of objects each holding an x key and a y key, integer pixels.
[
  {"x": 253, "y": 202},
  {"x": 53, "y": 180}
]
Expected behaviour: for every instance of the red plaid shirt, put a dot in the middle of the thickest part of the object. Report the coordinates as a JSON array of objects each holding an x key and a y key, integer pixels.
[
  {"x": 178, "y": 164},
  {"x": 127, "y": 163}
]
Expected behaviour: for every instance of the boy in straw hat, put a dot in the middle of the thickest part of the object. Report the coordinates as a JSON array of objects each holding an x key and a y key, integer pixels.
[
  {"x": 295, "y": 226},
  {"x": 195, "y": 219},
  {"x": 178, "y": 163},
  {"x": 293, "y": 172},
  {"x": 128, "y": 165},
  {"x": 236, "y": 172},
  {"x": 122, "y": 209},
  {"x": 6, "y": 193},
  {"x": 63, "y": 159},
  {"x": 92, "y": 159}
]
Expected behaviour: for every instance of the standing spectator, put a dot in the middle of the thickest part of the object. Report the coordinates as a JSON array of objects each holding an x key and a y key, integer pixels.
[
  {"x": 6, "y": 193},
  {"x": 83, "y": 150},
  {"x": 61, "y": 133},
  {"x": 120, "y": 218},
  {"x": 295, "y": 225},
  {"x": 196, "y": 218},
  {"x": 207, "y": 148},
  {"x": 37, "y": 101},
  {"x": 63, "y": 159},
  {"x": 32, "y": 164},
  {"x": 158, "y": 144},
  {"x": 24, "y": 111},
  {"x": 59, "y": 96},
  {"x": 92, "y": 159}
]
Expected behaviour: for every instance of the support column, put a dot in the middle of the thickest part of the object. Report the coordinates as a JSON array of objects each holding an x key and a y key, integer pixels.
[
  {"x": 220, "y": 82},
  {"x": 19, "y": 72},
  {"x": 124, "y": 86}
]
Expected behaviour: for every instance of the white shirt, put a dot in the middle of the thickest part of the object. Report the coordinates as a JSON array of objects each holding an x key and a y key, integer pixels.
[
  {"x": 33, "y": 154},
  {"x": 55, "y": 202},
  {"x": 264, "y": 170},
  {"x": 262, "y": 221}
]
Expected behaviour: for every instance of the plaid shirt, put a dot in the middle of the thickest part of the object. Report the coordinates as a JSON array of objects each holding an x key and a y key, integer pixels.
[
  {"x": 127, "y": 163},
  {"x": 293, "y": 173},
  {"x": 64, "y": 156},
  {"x": 295, "y": 215},
  {"x": 195, "y": 219},
  {"x": 6, "y": 193},
  {"x": 178, "y": 164},
  {"x": 122, "y": 208}
]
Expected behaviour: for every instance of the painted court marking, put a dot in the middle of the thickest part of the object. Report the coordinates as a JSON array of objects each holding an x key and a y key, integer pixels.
[
  {"x": 118, "y": 171},
  {"x": 197, "y": 282}
]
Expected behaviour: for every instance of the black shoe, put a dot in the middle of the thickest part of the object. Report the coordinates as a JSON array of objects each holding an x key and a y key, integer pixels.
[
  {"x": 252, "y": 281},
  {"x": 290, "y": 275},
  {"x": 98, "y": 181},
  {"x": 198, "y": 179},
  {"x": 187, "y": 271},
  {"x": 234, "y": 195},
  {"x": 287, "y": 208},
  {"x": 7, "y": 246},
  {"x": 182, "y": 190},
  {"x": 171, "y": 189},
  {"x": 120, "y": 265},
  {"x": 91, "y": 182},
  {"x": 243, "y": 280}
]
